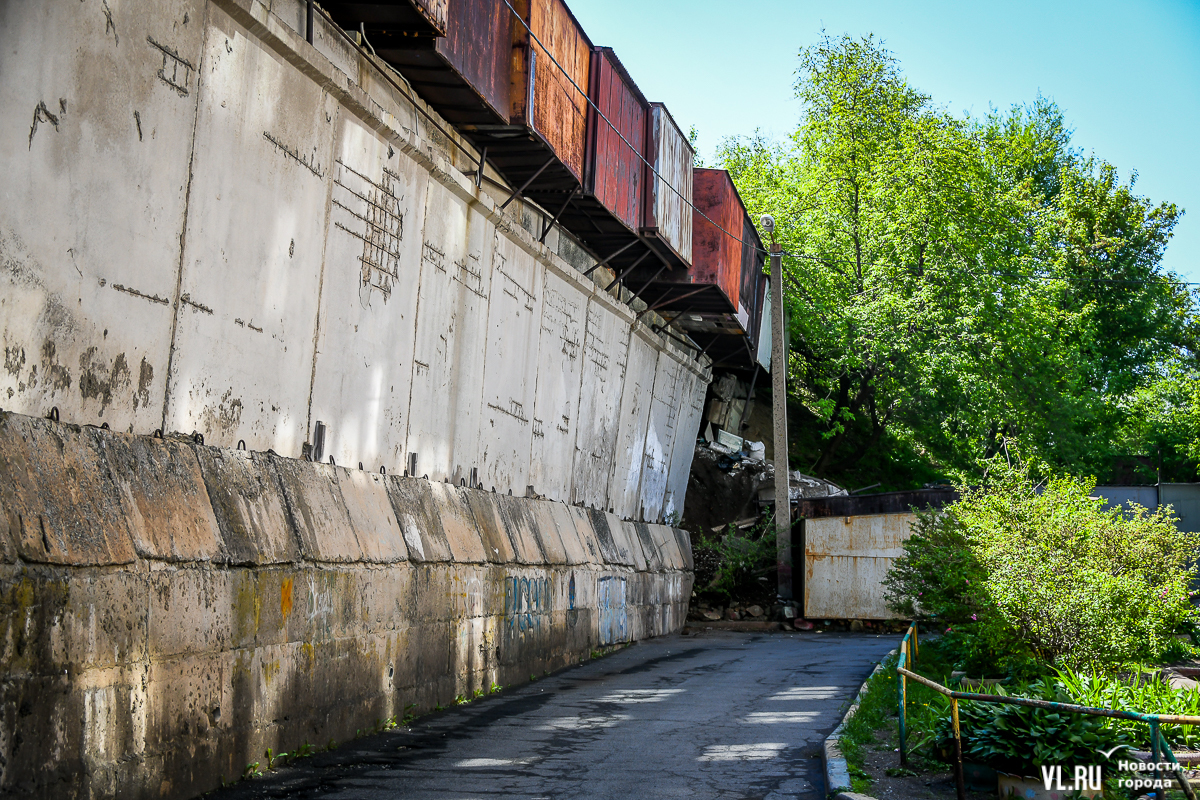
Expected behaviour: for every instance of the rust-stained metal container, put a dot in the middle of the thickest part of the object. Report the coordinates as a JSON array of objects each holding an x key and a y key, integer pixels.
[
  {"x": 413, "y": 18},
  {"x": 458, "y": 61},
  {"x": 616, "y": 140},
  {"x": 550, "y": 75},
  {"x": 718, "y": 225},
  {"x": 750, "y": 292},
  {"x": 667, "y": 220}
]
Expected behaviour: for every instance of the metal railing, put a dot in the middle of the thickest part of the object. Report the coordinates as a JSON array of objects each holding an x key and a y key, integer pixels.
[{"x": 910, "y": 650}]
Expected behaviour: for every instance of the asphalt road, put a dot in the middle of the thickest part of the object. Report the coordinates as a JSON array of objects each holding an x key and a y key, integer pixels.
[{"x": 712, "y": 715}]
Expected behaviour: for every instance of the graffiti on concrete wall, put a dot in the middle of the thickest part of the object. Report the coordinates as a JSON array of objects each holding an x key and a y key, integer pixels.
[
  {"x": 612, "y": 610},
  {"x": 526, "y": 602}
]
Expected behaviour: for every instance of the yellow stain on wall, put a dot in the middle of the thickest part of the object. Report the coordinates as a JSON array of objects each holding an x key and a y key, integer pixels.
[{"x": 285, "y": 598}]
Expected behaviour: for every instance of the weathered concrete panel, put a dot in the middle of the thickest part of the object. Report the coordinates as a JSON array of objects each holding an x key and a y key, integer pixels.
[
  {"x": 628, "y": 543},
  {"x": 317, "y": 510},
  {"x": 451, "y": 336},
  {"x": 368, "y": 300},
  {"x": 94, "y": 620},
  {"x": 417, "y": 512},
  {"x": 458, "y": 522},
  {"x": 660, "y": 436},
  {"x": 242, "y": 364},
  {"x": 555, "y": 412},
  {"x": 637, "y": 391},
  {"x": 510, "y": 368},
  {"x": 690, "y": 397},
  {"x": 574, "y": 548},
  {"x": 93, "y": 204},
  {"x": 498, "y": 546},
  {"x": 248, "y": 506},
  {"x": 372, "y": 518},
  {"x": 169, "y": 513},
  {"x": 606, "y": 347},
  {"x": 522, "y": 527},
  {"x": 59, "y": 504}
]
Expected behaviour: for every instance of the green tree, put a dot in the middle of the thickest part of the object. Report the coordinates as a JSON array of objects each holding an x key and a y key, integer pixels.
[{"x": 955, "y": 284}]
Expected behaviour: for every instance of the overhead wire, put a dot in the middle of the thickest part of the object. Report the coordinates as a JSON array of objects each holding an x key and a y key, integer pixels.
[
  {"x": 736, "y": 238},
  {"x": 479, "y": 160}
]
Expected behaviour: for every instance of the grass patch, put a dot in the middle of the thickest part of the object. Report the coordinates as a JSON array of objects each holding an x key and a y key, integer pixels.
[{"x": 876, "y": 723}]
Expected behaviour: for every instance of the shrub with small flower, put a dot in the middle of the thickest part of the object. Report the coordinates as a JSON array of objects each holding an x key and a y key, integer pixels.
[{"x": 1016, "y": 570}]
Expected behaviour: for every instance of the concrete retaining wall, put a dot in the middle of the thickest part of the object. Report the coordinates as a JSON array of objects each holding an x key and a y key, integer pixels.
[
  {"x": 168, "y": 610},
  {"x": 209, "y": 225}
]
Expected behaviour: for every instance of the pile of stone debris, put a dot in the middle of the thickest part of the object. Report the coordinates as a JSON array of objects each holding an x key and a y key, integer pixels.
[{"x": 704, "y": 612}]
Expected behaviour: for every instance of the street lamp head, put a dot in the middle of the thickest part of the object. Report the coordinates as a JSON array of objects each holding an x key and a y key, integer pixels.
[{"x": 767, "y": 223}]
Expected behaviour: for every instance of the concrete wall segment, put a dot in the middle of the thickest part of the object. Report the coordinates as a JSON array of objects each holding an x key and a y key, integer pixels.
[
  {"x": 521, "y": 524},
  {"x": 544, "y": 525},
  {"x": 417, "y": 513},
  {"x": 248, "y": 506},
  {"x": 368, "y": 300},
  {"x": 243, "y": 339},
  {"x": 57, "y": 494},
  {"x": 556, "y": 417},
  {"x": 85, "y": 295},
  {"x": 169, "y": 512},
  {"x": 604, "y": 354},
  {"x": 316, "y": 510},
  {"x": 498, "y": 547},
  {"x": 574, "y": 548},
  {"x": 626, "y": 534},
  {"x": 458, "y": 523},
  {"x": 372, "y": 516}
]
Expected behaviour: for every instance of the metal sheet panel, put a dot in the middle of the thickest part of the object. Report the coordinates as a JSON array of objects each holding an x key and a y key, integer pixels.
[
  {"x": 636, "y": 392},
  {"x": 94, "y": 202},
  {"x": 753, "y": 259},
  {"x": 555, "y": 412},
  {"x": 606, "y": 346},
  {"x": 1184, "y": 498},
  {"x": 616, "y": 172},
  {"x": 668, "y": 201},
  {"x": 763, "y": 355},
  {"x": 1146, "y": 496},
  {"x": 477, "y": 46},
  {"x": 244, "y": 337},
  {"x": 510, "y": 368},
  {"x": 660, "y": 437},
  {"x": 451, "y": 333},
  {"x": 364, "y": 365},
  {"x": 690, "y": 397},
  {"x": 560, "y": 110},
  {"x": 716, "y": 244},
  {"x": 846, "y": 560}
]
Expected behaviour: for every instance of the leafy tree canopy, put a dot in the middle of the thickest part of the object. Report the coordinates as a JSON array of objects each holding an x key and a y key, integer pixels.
[{"x": 957, "y": 285}]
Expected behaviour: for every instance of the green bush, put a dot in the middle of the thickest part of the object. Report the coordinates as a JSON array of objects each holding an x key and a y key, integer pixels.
[
  {"x": 743, "y": 557},
  {"x": 1048, "y": 573}
]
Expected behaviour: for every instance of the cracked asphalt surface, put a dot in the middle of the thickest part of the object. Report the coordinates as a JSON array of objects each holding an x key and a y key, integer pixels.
[{"x": 710, "y": 715}]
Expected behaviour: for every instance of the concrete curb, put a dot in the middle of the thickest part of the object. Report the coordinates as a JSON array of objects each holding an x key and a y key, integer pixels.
[{"x": 837, "y": 770}]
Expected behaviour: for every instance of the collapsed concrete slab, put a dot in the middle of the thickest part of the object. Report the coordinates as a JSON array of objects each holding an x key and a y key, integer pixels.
[{"x": 168, "y": 610}]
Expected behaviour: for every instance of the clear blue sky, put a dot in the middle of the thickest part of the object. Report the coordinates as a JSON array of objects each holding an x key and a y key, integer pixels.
[{"x": 1127, "y": 75}]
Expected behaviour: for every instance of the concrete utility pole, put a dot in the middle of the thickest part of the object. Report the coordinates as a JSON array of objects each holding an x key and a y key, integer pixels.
[{"x": 779, "y": 363}]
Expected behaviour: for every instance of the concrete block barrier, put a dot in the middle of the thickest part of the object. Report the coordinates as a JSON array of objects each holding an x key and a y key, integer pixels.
[{"x": 168, "y": 611}]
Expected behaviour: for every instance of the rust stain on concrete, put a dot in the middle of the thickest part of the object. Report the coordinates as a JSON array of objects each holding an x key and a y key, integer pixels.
[{"x": 285, "y": 598}]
